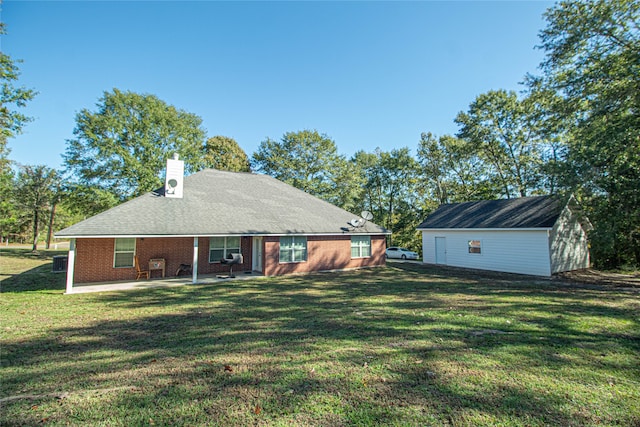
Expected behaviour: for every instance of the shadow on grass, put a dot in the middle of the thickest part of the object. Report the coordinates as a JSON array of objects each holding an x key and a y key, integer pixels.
[
  {"x": 380, "y": 346},
  {"x": 35, "y": 271}
]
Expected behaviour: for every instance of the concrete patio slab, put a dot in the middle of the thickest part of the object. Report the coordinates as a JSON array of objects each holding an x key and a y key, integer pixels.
[{"x": 82, "y": 288}]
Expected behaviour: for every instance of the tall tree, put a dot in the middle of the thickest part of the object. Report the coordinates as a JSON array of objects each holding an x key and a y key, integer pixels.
[
  {"x": 592, "y": 63},
  {"x": 389, "y": 192},
  {"x": 348, "y": 183},
  {"x": 557, "y": 175},
  {"x": 501, "y": 128},
  {"x": 35, "y": 186},
  {"x": 452, "y": 171},
  {"x": 370, "y": 195},
  {"x": 11, "y": 98},
  {"x": 305, "y": 159},
  {"x": 57, "y": 193},
  {"x": 8, "y": 208},
  {"x": 122, "y": 147},
  {"x": 223, "y": 153}
]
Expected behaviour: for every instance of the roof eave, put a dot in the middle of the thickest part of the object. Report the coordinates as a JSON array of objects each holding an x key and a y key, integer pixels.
[{"x": 143, "y": 236}]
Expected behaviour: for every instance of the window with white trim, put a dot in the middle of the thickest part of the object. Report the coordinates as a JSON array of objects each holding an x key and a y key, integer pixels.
[
  {"x": 360, "y": 246},
  {"x": 220, "y": 247},
  {"x": 123, "y": 252},
  {"x": 293, "y": 248},
  {"x": 475, "y": 247}
]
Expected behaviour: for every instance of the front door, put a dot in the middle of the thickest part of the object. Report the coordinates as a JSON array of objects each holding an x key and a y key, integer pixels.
[
  {"x": 441, "y": 250},
  {"x": 257, "y": 254}
]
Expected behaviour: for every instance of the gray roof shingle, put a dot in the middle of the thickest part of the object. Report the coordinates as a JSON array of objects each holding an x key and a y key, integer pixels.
[
  {"x": 524, "y": 212},
  {"x": 221, "y": 203}
]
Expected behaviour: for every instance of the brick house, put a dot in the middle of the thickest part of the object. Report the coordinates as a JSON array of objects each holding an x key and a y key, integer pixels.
[{"x": 200, "y": 219}]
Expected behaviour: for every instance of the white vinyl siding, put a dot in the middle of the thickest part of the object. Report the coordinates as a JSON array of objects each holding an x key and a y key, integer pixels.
[
  {"x": 123, "y": 252},
  {"x": 360, "y": 246},
  {"x": 220, "y": 247},
  {"x": 511, "y": 251},
  {"x": 293, "y": 249}
]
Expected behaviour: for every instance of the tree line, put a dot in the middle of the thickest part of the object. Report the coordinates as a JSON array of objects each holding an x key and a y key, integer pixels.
[{"x": 573, "y": 129}]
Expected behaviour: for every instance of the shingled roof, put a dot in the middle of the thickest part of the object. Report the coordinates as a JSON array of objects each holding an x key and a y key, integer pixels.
[
  {"x": 222, "y": 203},
  {"x": 524, "y": 212}
]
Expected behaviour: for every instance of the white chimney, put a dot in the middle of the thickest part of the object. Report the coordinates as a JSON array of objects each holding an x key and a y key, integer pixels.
[{"x": 174, "y": 178}]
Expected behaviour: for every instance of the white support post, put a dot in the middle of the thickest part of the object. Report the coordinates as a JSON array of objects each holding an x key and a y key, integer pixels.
[
  {"x": 71, "y": 262},
  {"x": 195, "y": 260}
]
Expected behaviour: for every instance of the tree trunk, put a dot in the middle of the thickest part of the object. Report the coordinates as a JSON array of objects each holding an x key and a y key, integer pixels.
[
  {"x": 390, "y": 219},
  {"x": 51, "y": 218},
  {"x": 35, "y": 231}
]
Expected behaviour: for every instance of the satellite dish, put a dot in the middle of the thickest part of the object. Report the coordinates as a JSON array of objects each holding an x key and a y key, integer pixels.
[
  {"x": 171, "y": 186},
  {"x": 360, "y": 222},
  {"x": 366, "y": 215}
]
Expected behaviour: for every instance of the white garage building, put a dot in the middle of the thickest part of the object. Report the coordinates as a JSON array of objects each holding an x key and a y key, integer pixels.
[{"x": 529, "y": 235}]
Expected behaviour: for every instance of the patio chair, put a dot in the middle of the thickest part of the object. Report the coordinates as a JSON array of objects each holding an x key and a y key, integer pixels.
[
  {"x": 140, "y": 272},
  {"x": 184, "y": 268}
]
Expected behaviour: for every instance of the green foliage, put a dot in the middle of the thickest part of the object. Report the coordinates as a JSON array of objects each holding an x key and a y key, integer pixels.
[
  {"x": 452, "y": 170},
  {"x": 223, "y": 153},
  {"x": 348, "y": 186},
  {"x": 556, "y": 171},
  {"x": 11, "y": 97},
  {"x": 305, "y": 159},
  {"x": 122, "y": 147},
  {"x": 592, "y": 64},
  {"x": 82, "y": 201}
]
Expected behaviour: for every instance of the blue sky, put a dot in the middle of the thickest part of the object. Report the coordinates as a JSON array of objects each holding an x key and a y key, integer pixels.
[{"x": 367, "y": 74}]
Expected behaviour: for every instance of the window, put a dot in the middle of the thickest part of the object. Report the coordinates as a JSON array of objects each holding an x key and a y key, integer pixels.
[
  {"x": 123, "y": 252},
  {"x": 475, "y": 247},
  {"x": 220, "y": 247},
  {"x": 360, "y": 246},
  {"x": 293, "y": 248}
]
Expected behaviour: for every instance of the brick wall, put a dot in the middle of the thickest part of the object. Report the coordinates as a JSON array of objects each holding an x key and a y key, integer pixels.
[
  {"x": 94, "y": 257},
  {"x": 323, "y": 253}
]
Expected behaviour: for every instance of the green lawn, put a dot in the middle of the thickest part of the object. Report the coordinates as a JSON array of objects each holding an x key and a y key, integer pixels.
[{"x": 402, "y": 345}]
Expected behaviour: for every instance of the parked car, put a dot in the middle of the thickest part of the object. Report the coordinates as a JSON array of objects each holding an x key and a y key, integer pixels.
[{"x": 401, "y": 253}]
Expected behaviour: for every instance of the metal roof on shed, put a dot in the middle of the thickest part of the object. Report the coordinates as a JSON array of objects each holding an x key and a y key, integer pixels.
[{"x": 524, "y": 212}]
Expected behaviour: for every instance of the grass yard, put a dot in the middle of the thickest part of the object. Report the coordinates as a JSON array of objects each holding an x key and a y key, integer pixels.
[{"x": 402, "y": 345}]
